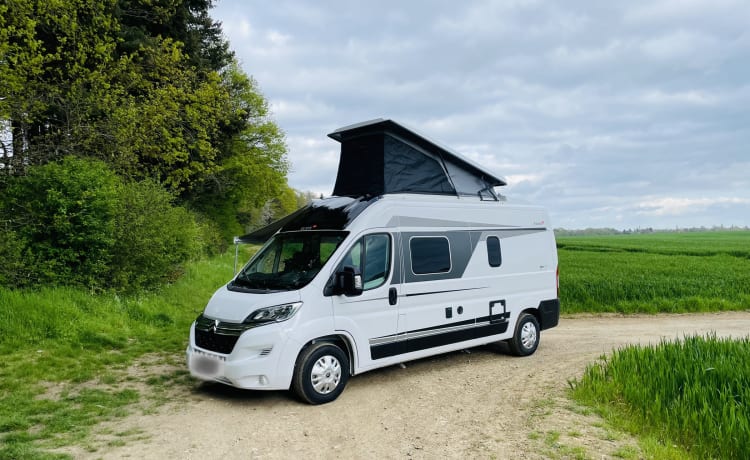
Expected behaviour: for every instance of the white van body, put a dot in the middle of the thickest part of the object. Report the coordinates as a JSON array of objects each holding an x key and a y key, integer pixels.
[
  {"x": 414, "y": 255},
  {"x": 457, "y": 272}
]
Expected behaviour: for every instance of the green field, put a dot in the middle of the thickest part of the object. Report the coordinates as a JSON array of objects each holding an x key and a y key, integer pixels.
[{"x": 656, "y": 272}]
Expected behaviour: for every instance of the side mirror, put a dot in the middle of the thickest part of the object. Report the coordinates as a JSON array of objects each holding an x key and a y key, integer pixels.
[{"x": 349, "y": 281}]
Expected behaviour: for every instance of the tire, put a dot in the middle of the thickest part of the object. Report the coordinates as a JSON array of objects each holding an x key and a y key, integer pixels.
[
  {"x": 526, "y": 337},
  {"x": 321, "y": 373}
]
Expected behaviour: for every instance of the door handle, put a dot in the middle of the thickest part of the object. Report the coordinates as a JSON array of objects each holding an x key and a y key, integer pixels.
[{"x": 392, "y": 296}]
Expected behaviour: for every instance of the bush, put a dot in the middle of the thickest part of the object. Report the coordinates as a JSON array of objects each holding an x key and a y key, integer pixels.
[
  {"x": 76, "y": 223},
  {"x": 13, "y": 270},
  {"x": 63, "y": 215},
  {"x": 152, "y": 237}
]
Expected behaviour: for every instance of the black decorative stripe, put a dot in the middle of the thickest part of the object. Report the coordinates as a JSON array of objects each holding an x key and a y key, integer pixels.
[
  {"x": 442, "y": 292},
  {"x": 430, "y": 337}
]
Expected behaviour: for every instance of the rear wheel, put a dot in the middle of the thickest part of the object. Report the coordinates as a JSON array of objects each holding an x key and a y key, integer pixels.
[
  {"x": 321, "y": 373},
  {"x": 526, "y": 337}
]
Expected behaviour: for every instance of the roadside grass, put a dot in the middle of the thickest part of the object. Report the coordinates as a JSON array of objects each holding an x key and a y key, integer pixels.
[
  {"x": 689, "y": 397},
  {"x": 655, "y": 273},
  {"x": 65, "y": 352}
]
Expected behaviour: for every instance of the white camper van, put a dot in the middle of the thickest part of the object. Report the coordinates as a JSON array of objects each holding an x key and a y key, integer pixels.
[{"x": 414, "y": 255}]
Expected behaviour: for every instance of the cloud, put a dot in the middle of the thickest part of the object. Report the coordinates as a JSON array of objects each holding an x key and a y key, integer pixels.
[{"x": 678, "y": 206}]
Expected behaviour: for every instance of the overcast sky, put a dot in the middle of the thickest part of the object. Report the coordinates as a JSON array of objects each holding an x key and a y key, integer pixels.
[{"x": 611, "y": 114}]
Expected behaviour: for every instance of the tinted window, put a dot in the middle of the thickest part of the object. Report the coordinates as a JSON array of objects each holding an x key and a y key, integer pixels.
[
  {"x": 372, "y": 256},
  {"x": 430, "y": 255},
  {"x": 377, "y": 260},
  {"x": 493, "y": 251},
  {"x": 289, "y": 261}
]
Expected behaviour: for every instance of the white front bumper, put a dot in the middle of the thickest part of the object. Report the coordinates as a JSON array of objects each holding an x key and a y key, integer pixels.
[{"x": 262, "y": 359}]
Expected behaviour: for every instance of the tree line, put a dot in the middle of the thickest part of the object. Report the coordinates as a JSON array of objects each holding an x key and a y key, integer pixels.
[{"x": 130, "y": 140}]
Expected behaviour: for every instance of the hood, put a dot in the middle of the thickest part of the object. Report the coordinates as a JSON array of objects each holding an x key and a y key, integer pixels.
[{"x": 226, "y": 305}]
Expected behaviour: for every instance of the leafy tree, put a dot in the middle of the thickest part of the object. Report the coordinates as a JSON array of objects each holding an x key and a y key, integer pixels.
[
  {"x": 54, "y": 69},
  {"x": 166, "y": 127},
  {"x": 252, "y": 164},
  {"x": 149, "y": 88},
  {"x": 136, "y": 83}
]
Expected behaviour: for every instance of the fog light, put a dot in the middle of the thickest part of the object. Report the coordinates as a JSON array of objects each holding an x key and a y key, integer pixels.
[{"x": 263, "y": 380}]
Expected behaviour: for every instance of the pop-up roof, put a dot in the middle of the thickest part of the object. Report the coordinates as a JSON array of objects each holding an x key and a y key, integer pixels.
[{"x": 382, "y": 156}]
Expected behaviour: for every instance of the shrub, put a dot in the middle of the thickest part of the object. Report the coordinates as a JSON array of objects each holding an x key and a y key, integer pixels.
[
  {"x": 13, "y": 270},
  {"x": 76, "y": 223},
  {"x": 152, "y": 237},
  {"x": 63, "y": 216}
]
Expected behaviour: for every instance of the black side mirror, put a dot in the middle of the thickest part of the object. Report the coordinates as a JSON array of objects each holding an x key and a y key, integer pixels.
[{"x": 349, "y": 281}]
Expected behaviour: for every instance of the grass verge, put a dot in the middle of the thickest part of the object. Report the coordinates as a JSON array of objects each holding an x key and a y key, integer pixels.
[{"x": 688, "y": 397}]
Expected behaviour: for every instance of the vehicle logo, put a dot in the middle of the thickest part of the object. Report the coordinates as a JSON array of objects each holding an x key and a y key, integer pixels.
[{"x": 214, "y": 326}]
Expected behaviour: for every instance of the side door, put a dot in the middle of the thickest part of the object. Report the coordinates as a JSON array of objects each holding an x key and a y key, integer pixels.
[
  {"x": 372, "y": 317},
  {"x": 443, "y": 305}
]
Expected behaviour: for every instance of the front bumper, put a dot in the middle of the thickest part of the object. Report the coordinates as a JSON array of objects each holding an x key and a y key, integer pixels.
[{"x": 261, "y": 359}]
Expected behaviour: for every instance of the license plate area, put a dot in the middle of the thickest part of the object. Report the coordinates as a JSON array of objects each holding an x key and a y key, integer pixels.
[{"x": 207, "y": 364}]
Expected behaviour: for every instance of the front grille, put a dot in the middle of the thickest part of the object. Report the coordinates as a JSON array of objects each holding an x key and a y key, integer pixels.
[
  {"x": 217, "y": 336},
  {"x": 215, "y": 342}
]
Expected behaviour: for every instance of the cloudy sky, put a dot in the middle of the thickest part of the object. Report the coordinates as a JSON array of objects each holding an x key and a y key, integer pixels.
[{"x": 612, "y": 114}]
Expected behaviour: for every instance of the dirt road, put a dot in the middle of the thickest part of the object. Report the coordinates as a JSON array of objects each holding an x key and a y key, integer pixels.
[{"x": 477, "y": 404}]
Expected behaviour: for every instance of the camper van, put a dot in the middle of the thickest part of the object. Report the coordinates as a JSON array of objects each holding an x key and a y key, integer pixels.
[{"x": 415, "y": 254}]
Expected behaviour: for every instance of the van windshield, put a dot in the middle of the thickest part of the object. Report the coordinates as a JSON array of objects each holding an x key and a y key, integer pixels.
[{"x": 289, "y": 261}]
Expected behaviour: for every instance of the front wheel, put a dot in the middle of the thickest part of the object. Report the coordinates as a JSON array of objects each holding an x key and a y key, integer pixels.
[
  {"x": 526, "y": 337},
  {"x": 321, "y": 373}
]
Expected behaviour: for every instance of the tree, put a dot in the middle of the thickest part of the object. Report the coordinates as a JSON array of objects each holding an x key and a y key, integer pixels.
[
  {"x": 251, "y": 167},
  {"x": 150, "y": 88},
  {"x": 187, "y": 22}
]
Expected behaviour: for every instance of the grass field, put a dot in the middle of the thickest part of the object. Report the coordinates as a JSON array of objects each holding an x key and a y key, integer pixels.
[
  {"x": 681, "y": 398},
  {"x": 657, "y": 272}
]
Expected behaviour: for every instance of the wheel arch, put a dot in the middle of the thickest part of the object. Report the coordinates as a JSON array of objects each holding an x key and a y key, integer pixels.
[{"x": 339, "y": 340}]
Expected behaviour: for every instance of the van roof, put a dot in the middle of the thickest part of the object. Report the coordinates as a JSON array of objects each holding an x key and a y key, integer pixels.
[{"x": 382, "y": 156}]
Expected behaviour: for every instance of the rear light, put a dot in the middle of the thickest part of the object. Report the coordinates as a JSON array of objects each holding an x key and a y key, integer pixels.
[{"x": 557, "y": 275}]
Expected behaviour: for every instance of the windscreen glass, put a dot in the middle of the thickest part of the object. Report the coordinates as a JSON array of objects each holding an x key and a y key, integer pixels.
[{"x": 289, "y": 261}]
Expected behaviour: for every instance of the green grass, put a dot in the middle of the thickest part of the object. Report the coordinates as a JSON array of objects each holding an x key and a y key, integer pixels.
[
  {"x": 651, "y": 273},
  {"x": 80, "y": 344},
  {"x": 693, "y": 394}
]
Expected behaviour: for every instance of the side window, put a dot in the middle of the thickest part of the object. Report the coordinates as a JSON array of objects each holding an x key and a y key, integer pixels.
[
  {"x": 494, "y": 256},
  {"x": 377, "y": 260},
  {"x": 430, "y": 255},
  {"x": 372, "y": 255}
]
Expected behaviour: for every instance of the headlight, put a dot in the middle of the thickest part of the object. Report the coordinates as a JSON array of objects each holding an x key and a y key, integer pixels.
[{"x": 273, "y": 314}]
